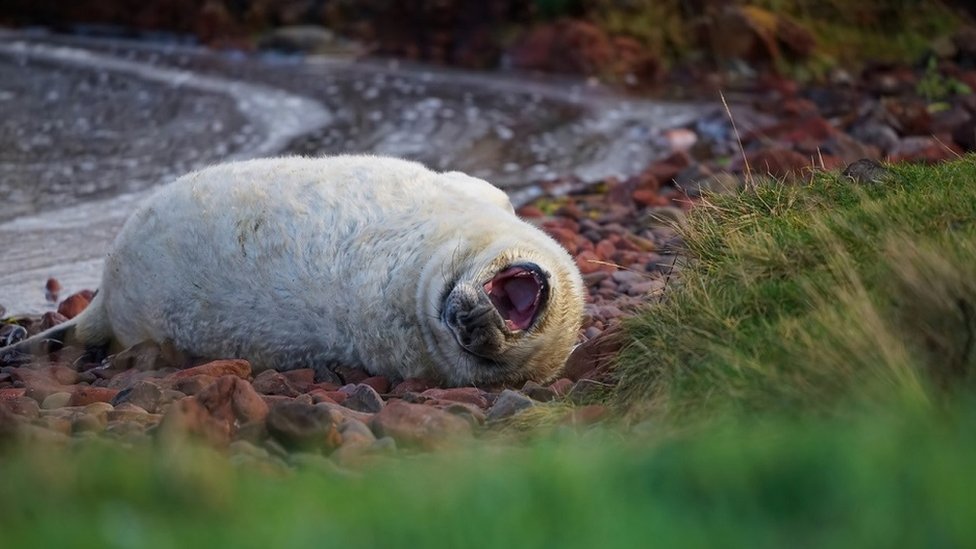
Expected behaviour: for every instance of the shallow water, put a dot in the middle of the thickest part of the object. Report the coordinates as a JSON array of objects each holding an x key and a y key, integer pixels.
[{"x": 88, "y": 127}]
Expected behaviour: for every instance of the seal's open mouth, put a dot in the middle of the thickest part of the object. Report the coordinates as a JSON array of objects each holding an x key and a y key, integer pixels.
[{"x": 517, "y": 294}]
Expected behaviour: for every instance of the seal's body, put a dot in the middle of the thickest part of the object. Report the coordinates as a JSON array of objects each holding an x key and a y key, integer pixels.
[{"x": 356, "y": 260}]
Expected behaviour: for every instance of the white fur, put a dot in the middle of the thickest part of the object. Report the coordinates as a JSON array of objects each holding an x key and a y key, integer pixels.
[{"x": 300, "y": 262}]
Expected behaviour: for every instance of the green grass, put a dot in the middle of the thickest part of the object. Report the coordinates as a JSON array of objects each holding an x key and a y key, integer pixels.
[
  {"x": 807, "y": 384},
  {"x": 802, "y": 297},
  {"x": 878, "y": 482}
]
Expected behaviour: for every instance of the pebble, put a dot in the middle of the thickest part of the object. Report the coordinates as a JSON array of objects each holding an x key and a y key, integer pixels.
[
  {"x": 508, "y": 404},
  {"x": 363, "y": 398},
  {"x": 469, "y": 395},
  {"x": 83, "y": 396},
  {"x": 270, "y": 382},
  {"x": 233, "y": 400},
  {"x": 56, "y": 400},
  {"x": 217, "y": 368},
  {"x": 188, "y": 419},
  {"x": 89, "y": 423},
  {"x": 301, "y": 379},
  {"x": 419, "y": 426},
  {"x": 298, "y": 426},
  {"x": 74, "y": 304},
  {"x": 25, "y": 407},
  {"x": 144, "y": 394},
  {"x": 99, "y": 408},
  {"x": 537, "y": 392}
]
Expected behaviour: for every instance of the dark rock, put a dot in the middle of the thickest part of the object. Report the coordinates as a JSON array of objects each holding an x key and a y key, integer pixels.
[
  {"x": 597, "y": 353},
  {"x": 144, "y": 394},
  {"x": 363, "y": 398},
  {"x": 876, "y": 134},
  {"x": 417, "y": 425},
  {"x": 270, "y": 382},
  {"x": 508, "y": 404},
  {"x": 535, "y": 391},
  {"x": 325, "y": 374},
  {"x": 299, "y": 426},
  {"x": 867, "y": 172}
]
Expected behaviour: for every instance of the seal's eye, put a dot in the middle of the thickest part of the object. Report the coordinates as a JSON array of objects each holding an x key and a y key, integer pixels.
[{"x": 518, "y": 293}]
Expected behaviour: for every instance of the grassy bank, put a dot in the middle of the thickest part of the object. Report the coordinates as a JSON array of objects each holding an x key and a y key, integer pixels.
[
  {"x": 806, "y": 384},
  {"x": 805, "y": 297}
]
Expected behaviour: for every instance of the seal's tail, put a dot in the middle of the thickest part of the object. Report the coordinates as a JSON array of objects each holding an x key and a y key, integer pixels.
[{"x": 91, "y": 328}]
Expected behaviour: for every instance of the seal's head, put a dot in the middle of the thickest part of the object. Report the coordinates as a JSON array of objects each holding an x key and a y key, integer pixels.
[{"x": 508, "y": 314}]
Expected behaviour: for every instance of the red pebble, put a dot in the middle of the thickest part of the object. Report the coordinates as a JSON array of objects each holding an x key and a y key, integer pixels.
[
  {"x": 380, "y": 384},
  {"x": 51, "y": 289},
  {"x": 74, "y": 304},
  {"x": 83, "y": 396}
]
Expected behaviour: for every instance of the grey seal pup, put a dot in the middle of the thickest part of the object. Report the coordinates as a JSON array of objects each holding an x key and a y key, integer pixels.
[{"x": 362, "y": 261}]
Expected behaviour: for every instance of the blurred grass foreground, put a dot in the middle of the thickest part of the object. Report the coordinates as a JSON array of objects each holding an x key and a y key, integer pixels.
[{"x": 808, "y": 382}]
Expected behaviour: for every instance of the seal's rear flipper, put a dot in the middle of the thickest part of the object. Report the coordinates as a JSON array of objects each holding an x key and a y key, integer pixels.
[{"x": 48, "y": 341}]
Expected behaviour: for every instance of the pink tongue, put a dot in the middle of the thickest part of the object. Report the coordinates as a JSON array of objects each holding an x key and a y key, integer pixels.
[
  {"x": 515, "y": 293},
  {"x": 523, "y": 292}
]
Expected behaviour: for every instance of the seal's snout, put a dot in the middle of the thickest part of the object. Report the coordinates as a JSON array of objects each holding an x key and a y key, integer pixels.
[
  {"x": 471, "y": 317},
  {"x": 518, "y": 293}
]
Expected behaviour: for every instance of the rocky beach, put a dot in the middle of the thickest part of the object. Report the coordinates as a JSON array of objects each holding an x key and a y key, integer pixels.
[{"x": 620, "y": 220}]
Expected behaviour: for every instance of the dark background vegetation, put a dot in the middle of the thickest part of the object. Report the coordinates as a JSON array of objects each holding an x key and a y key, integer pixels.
[{"x": 612, "y": 38}]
